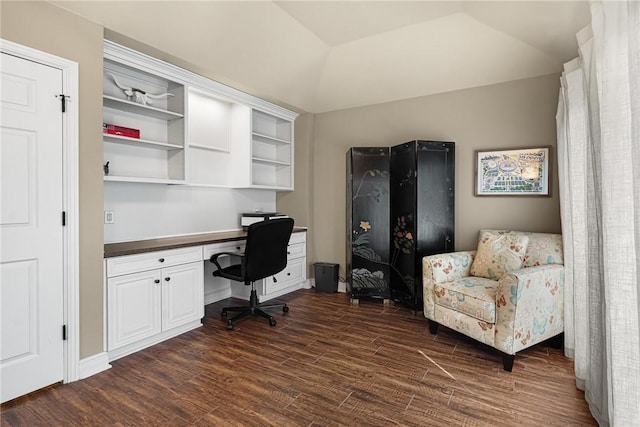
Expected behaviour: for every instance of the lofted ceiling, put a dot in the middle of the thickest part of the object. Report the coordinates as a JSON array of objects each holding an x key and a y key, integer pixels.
[{"x": 319, "y": 56}]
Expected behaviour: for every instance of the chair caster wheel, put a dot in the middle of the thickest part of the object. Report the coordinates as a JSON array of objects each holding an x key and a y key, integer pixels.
[
  {"x": 285, "y": 309},
  {"x": 229, "y": 326},
  {"x": 272, "y": 322}
]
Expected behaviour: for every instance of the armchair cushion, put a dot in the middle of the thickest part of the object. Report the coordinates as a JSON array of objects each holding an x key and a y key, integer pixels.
[
  {"x": 543, "y": 248},
  {"x": 473, "y": 296},
  {"x": 498, "y": 253}
]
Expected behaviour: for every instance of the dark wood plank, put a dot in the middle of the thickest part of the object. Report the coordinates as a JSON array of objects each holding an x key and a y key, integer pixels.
[{"x": 326, "y": 363}]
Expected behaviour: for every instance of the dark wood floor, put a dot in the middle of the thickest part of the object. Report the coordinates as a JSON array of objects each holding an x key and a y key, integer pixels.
[{"x": 327, "y": 362}]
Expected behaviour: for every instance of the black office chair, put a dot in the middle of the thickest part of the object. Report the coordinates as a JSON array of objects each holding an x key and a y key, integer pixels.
[{"x": 265, "y": 255}]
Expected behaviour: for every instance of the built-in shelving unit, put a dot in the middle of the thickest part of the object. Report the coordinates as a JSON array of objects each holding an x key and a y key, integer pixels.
[
  {"x": 202, "y": 134},
  {"x": 271, "y": 151},
  {"x": 158, "y": 155}
]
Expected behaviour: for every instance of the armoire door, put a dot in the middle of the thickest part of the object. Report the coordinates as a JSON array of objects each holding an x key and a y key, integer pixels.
[
  {"x": 422, "y": 212},
  {"x": 368, "y": 222}
]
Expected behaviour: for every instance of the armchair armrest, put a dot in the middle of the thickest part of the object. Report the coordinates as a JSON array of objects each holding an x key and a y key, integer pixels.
[
  {"x": 529, "y": 307},
  {"x": 442, "y": 268},
  {"x": 214, "y": 257}
]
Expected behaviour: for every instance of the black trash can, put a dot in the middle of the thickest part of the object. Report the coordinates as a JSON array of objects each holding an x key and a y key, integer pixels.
[{"x": 326, "y": 277}]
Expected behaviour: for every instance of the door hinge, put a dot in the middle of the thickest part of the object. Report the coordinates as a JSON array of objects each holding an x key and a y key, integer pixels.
[
  {"x": 63, "y": 100},
  {"x": 64, "y": 332},
  {"x": 64, "y": 218}
]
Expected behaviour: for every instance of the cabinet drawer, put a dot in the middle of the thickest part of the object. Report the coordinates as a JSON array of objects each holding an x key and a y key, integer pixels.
[
  {"x": 294, "y": 272},
  {"x": 223, "y": 247},
  {"x": 296, "y": 250},
  {"x": 141, "y": 262},
  {"x": 298, "y": 237}
]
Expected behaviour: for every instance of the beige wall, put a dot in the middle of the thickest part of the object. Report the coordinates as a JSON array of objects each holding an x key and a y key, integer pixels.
[
  {"x": 299, "y": 204},
  {"x": 509, "y": 115},
  {"x": 47, "y": 28}
]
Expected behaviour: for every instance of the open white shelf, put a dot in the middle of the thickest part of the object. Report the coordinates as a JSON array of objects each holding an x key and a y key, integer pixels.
[
  {"x": 271, "y": 139},
  {"x": 113, "y": 178},
  {"x": 138, "y": 142},
  {"x": 135, "y": 108},
  {"x": 270, "y": 162}
]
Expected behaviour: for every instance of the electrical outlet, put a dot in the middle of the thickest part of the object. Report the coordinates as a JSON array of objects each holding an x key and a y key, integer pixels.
[{"x": 109, "y": 217}]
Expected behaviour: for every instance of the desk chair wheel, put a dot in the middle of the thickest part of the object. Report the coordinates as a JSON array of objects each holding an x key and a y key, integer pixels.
[
  {"x": 229, "y": 325},
  {"x": 285, "y": 308},
  {"x": 272, "y": 321}
]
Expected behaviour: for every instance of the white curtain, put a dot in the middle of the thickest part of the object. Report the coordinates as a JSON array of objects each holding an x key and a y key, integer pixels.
[{"x": 599, "y": 169}]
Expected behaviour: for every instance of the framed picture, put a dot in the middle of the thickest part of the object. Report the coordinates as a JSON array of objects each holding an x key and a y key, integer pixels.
[{"x": 521, "y": 172}]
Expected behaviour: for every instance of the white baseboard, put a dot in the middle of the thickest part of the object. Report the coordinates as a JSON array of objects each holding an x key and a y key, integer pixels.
[
  {"x": 93, "y": 365},
  {"x": 217, "y": 295}
]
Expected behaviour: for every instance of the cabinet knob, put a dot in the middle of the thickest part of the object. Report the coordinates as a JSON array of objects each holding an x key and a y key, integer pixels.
[
  {"x": 288, "y": 253},
  {"x": 161, "y": 260},
  {"x": 288, "y": 274},
  {"x": 167, "y": 279},
  {"x": 275, "y": 280},
  {"x": 156, "y": 281}
]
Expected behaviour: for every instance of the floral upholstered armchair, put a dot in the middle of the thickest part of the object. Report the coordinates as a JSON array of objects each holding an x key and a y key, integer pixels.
[{"x": 507, "y": 294}]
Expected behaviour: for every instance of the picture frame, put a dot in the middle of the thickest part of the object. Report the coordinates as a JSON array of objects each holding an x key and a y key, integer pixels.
[{"x": 516, "y": 172}]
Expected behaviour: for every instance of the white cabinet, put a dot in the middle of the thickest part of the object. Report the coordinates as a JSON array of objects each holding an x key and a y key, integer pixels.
[
  {"x": 152, "y": 105},
  {"x": 152, "y": 297},
  {"x": 295, "y": 273},
  {"x": 134, "y": 307}
]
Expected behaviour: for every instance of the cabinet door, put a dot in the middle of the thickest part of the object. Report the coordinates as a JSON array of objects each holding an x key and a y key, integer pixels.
[
  {"x": 182, "y": 294},
  {"x": 133, "y": 307}
]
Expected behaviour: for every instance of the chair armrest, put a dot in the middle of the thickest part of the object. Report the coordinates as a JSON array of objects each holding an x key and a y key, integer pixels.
[
  {"x": 529, "y": 307},
  {"x": 442, "y": 268},
  {"x": 214, "y": 257}
]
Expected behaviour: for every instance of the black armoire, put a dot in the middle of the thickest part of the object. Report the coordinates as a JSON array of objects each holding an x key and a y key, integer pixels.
[
  {"x": 368, "y": 222},
  {"x": 422, "y": 212}
]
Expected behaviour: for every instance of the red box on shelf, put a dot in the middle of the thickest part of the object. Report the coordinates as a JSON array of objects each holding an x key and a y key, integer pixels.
[{"x": 120, "y": 131}]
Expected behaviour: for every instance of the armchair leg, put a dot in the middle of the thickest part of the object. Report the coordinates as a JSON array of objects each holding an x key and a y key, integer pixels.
[
  {"x": 433, "y": 327},
  {"x": 557, "y": 341},
  {"x": 507, "y": 361}
]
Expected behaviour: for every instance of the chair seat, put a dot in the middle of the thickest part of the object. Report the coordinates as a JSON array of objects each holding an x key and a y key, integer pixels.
[
  {"x": 232, "y": 272},
  {"x": 473, "y": 296}
]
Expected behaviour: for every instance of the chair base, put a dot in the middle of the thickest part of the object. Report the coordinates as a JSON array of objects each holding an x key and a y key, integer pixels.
[{"x": 254, "y": 309}]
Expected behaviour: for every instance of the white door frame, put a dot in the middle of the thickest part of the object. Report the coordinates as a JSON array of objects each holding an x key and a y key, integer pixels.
[{"x": 70, "y": 193}]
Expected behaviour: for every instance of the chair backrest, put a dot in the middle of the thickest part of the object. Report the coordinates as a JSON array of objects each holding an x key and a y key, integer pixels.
[
  {"x": 543, "y": 248},
  {"x": 266, "y": 250}
]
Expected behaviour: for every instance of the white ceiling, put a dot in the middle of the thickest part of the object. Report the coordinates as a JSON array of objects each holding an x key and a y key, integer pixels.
[{"x": 319, "y": 56}]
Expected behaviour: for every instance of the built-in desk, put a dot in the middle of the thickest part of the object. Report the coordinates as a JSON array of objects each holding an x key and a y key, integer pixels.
[
  {"x": 174, "y": 242},
  {"x": 157, "y": 288}
]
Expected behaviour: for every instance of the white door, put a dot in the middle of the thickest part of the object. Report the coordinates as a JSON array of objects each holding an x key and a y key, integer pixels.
[{"x": 31, "y": 255}]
